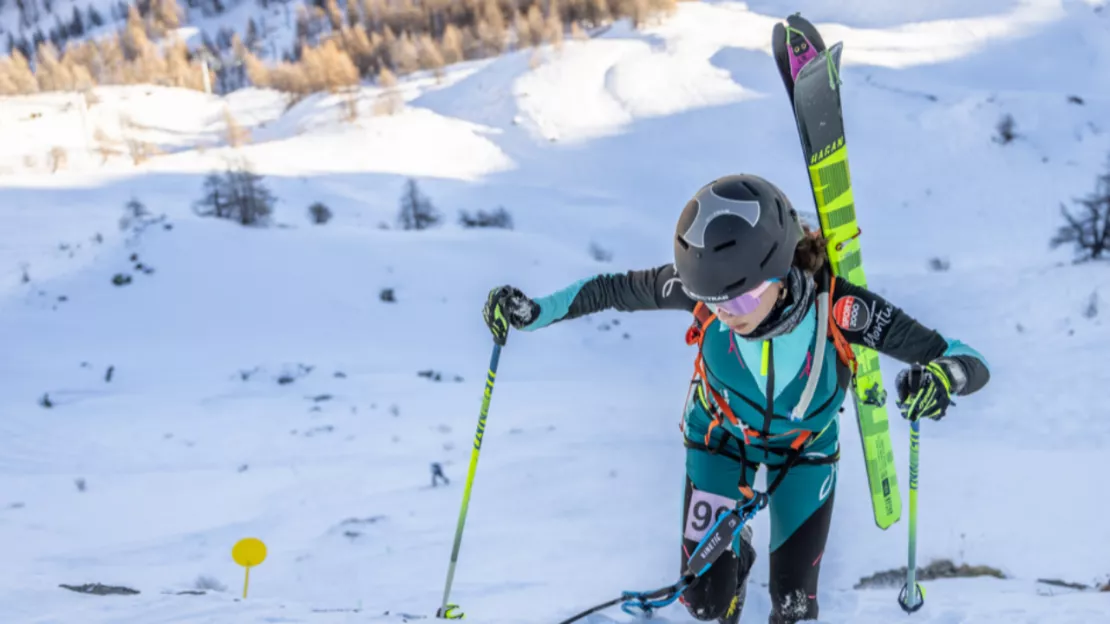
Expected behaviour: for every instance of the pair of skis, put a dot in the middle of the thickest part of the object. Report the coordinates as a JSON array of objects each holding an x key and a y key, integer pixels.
[{"x": 810, "y": 72}]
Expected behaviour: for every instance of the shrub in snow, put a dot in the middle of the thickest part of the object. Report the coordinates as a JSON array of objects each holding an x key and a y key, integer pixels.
[
  {"x": 58, "y": 158},
  {"x": 1091, "y": 311},
  {"x": 499, "y": 218},
  {"x": 1005, "y": 130},
  {"x": 387, "y": 295},
  {"x": 435, "y": 375},
  {"x": 289, "y": 374},
  {"x": 937, "y": 569},
  {"x": 599, "y": 253},
  {"x": 1089, "y": 230},
  {"x": 238, "y": 195},
  {"x": 417, "y": 211},
  {"x": 319, "y": 214},
  {"x": 205, "y": 582},
  {"x": 98, "y": 589},
  {"x": 134, "y": 212},
  {"x": 939, "y": 264}
]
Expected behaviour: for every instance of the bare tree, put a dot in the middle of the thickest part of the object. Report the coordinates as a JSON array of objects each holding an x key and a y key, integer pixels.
[
  {"x": 1089, "y": 231},
  {"x": 235, "y": 134},
  {"x": 238, "y": 195},
  {"x": 452, "y": 44},
  {"x": 389, "y": 101},
  {"x": 430, "y": 55},
  {"x": 57, "y": 158},
  {"x": 417, "y": 211},
  {"x": 405, "y": 55}
]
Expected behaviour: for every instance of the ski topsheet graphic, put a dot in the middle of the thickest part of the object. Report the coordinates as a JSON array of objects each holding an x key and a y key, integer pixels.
[{"x": 811, "y": 75}]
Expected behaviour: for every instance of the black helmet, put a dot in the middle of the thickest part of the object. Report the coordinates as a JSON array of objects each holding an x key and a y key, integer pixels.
[{"x": 735, "y": 233}]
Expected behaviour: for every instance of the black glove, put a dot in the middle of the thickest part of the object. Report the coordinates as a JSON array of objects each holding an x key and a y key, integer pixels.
[
  {"x": 506, "y": 306},
  {"x": 926, "y": 391}
]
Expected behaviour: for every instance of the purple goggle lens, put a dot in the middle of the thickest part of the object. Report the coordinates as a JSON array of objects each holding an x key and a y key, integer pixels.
[{"x": 742, "y": 304}]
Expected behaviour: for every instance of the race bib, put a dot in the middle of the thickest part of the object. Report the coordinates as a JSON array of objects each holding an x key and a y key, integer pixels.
[{"x": 704, "y": 510}]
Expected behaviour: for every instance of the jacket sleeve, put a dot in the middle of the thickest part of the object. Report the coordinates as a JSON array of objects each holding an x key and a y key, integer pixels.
[
  {"x": 650, "y": 289},
  {"x": 868, "y": 319}
]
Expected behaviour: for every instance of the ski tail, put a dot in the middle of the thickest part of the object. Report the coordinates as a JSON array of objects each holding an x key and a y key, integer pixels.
[
  {"x": 803, "y": 43},
  {"x": 794, "y": 44}
]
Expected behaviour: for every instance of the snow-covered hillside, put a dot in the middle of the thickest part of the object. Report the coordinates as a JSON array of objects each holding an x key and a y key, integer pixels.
[{"x": 260, "y": 385}]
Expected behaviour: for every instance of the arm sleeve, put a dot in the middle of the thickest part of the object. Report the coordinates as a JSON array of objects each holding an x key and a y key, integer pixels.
[
  {"x": 867, "y": 319},
  {"x": 650, "y": 289}
]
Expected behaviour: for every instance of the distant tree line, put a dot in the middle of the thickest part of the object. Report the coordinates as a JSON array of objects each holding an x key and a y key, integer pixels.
[
  {"x": 129, "y": 56},
  {"x": 336, "y": 44}
]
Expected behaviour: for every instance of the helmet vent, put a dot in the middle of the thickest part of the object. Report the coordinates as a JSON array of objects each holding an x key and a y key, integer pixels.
[
  {"x": 770, "y": 253},
  {"x": 682, "y": 241},
  {"x": 734, "y": 190},
  {"x": 751, "y": 188},
  {"x": 737, "y": 284},
  {"x": 778, "y": 202},
  {"x": 725, "y": 245}
]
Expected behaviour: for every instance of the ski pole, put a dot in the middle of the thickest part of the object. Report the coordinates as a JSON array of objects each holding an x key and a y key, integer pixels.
[
  {"x": 912, "y": 599},
  {"x": 450, "y": 611}
]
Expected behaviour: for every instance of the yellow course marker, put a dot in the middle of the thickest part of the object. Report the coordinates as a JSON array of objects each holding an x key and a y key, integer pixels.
[{"x": 248, "y": 552}]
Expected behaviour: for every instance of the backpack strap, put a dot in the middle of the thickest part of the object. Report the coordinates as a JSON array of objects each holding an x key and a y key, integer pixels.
[
  {"x": 824, "y": 321},
  {"x": 843, "y": 347},
  {"x": 703, "y": 316},
  {"x": 712, "y": 402}
]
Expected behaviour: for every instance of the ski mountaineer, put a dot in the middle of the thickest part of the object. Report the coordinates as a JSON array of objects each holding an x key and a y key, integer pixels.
[{"x": 773, "y": 327}]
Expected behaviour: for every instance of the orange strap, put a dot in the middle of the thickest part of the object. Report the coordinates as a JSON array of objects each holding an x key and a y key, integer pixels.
[
  {"x": 703, "y": 316},
  {"x": 843, "y": 348}
]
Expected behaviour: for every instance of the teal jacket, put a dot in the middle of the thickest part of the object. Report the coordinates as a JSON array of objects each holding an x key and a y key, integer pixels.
[{"x": 764, "y": 381}]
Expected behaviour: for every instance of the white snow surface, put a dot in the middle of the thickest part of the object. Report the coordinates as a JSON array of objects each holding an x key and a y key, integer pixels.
[{"x": 194, "y": 444}]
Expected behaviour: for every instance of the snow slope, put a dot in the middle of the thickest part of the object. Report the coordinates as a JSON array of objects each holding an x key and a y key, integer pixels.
[{"x": 194, "y": 443}]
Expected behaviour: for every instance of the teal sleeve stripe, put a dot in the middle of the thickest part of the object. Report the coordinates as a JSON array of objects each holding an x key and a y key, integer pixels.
[
  {"x": 555, "y": 306},
  {"x": 955, "y": 347}
]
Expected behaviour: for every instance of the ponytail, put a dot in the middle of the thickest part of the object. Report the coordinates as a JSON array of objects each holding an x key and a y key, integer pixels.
[{"x": 812, "y": 251}]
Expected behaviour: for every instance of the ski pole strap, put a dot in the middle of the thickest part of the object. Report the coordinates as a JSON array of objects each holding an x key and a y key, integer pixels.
[
  {"x": 647, "y": 602},
  {"x": 719, "y": 538}
]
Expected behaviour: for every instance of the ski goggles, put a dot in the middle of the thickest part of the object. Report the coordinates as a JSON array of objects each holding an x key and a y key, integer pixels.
[{"x": 745, "y": 303}]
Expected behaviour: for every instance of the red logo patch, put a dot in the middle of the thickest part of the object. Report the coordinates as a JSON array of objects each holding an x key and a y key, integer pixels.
[{"x": 851, "y": 314}]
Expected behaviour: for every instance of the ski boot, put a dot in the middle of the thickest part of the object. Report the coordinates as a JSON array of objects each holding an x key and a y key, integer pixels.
[{"x": 746, "y": 560}]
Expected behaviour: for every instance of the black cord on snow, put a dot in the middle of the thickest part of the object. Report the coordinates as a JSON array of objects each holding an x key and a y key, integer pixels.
[
  {"x": 712, "y": 546},
  {"x": 647, "y": 602}
]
